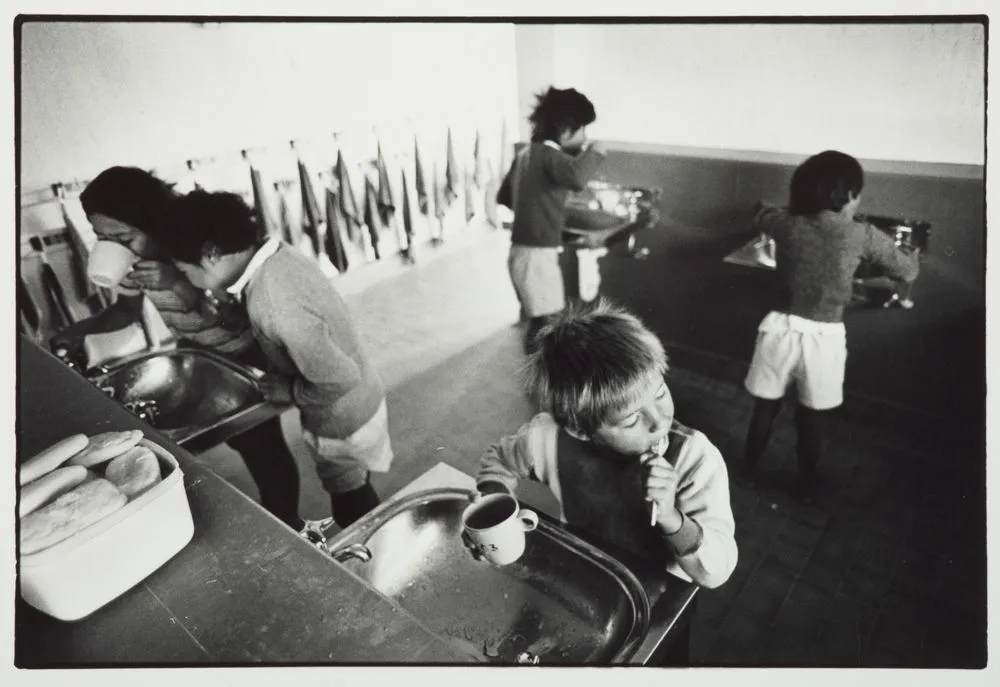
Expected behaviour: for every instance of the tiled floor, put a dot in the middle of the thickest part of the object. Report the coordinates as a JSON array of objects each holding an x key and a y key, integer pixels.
[{"x": 888, "y": 568}]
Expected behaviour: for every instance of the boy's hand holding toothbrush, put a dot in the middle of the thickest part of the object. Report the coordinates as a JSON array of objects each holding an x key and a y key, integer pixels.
[{"x": 661, "y": 489}]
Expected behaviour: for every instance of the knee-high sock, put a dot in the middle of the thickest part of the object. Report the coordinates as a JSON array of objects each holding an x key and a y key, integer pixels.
[
  {"x": 273, "y": 469},
  {"x": 811, "y": 426},
  {"x": 759, "y": 432}
]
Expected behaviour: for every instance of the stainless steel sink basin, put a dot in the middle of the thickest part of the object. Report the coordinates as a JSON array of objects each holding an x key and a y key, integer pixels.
[
  {"x": 188, "y": 394},
  {"x": 564, "y": 601}
]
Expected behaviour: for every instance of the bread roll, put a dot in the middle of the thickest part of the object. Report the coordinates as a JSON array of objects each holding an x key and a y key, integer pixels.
[
  {"x": 69, "y": 514},
  {"x": 91, "y": 475},
  {"x": 105, "y": 446},
  {"x": 55, "y": 455},
  {"x": 134, "y": 472},
  {"x": 37, "y": 493}
]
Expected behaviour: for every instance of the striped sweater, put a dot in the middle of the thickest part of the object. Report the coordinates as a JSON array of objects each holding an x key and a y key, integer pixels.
[{"x": 229, "y": 335}]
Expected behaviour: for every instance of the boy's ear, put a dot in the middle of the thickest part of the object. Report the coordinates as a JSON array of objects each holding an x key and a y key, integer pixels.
[
  {"x": 577, "y": 434},
  {"x": 211, "y": 252}
]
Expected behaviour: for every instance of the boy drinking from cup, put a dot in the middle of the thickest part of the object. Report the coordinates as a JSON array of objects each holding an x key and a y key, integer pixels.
[
  {"x": 597, "y": 373},
  {"x": 558, "y": 159},
  {"x": 304, "y": 327}
]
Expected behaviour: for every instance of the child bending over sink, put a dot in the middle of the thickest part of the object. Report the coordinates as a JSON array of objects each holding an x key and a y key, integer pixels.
[
  {"x": 598, "y": 375},
  {"x": 131, "y": 207},
  {"x": 298, "y": 318}
]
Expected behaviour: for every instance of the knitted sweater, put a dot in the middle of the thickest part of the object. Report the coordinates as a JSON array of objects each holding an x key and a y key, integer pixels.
[
  {"x": 817, "y": 256},
  {"x": 603, "y": 494},
  {"x": 306, "y": 332},
  {"x": 231, "y": 337},
  {"x": 536, "y": 186}
]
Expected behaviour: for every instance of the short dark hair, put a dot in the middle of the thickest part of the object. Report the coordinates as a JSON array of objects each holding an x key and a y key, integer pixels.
[
  {"x": 590, "y": 363},
  {"x": 825, "y": 181},
  {"x": 560, "y": 110},
  {"x": 132, "y": 196},
  {"x": 219, "y": 219}
]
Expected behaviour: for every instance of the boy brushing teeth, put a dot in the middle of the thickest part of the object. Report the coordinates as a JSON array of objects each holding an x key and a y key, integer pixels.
[{"x": 597, "y": 373}]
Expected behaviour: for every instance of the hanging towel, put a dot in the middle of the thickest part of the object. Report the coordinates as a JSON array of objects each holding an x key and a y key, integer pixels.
[
  {"x": 334, "y": 243},
  {"x": 470, "y": 198},
  {"x": 290, "y": 233},
  {"x": 440, "y": 203},
  {"x": 28, "y": 310},
  {"x": 52, "y": 288},
  {"x": 372, "y": 219},
  {"x": 478, "y": 173},
  {"x": 386, "y": 204},
  {"x": 348, "y": 201},
  {"x": 421, "y": 184},
  {"x": 267, "y": 226},
  {"x": 451, "y": 173},
  {"x": 312, "y": 221},
  {"x": 407, "y": 217}
]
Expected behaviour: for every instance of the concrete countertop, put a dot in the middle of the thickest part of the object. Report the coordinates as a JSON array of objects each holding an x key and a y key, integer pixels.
[{"x": 245, "y": 590}]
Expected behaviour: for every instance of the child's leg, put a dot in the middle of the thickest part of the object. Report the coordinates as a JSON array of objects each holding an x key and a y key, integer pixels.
[
  {"x": 272, "y": 467},
  {"x": 351, "y": 506},
  {"x": 812, "y": 430},
  {"x": 343, "y": 466},
  {"x": 765, "y": 412},
  {"x": 538, "y": 281},
  {"x": 775, "y": 356},
  {"x": 821, "y": 389}
]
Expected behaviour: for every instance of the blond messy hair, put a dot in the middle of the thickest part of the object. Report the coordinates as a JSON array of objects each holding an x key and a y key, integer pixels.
[{"x": 591, "y": 363}]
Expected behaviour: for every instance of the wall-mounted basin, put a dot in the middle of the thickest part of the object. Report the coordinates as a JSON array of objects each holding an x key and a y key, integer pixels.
[
  {"x": 194, "y": 397},
  {"x": 563, "y": 601}
]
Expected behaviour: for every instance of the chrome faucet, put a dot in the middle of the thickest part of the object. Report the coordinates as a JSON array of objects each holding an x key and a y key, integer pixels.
[
  {"x": 314, "y": 531},
  {"x": 144, "y": 410},
  {"x": 356, "y": 551}
]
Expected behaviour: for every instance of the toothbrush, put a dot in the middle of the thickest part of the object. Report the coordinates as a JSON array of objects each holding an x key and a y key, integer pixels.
[{"x": 657, "y": 451}]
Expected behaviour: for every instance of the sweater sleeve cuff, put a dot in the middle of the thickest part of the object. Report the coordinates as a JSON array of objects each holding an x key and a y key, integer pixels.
[{"x": 687, "y": 539}]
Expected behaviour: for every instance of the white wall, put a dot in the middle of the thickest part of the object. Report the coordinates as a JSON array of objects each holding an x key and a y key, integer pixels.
[
  {"x": 894, "y": 92},
  {"x": 536, "y": 65},
  {"x": 99, "y": 94}
]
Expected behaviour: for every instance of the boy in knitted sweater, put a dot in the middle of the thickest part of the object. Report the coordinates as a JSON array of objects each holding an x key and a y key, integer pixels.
[
  {"x": 558, "y": 159},
  {"x": 819, "y": 246},
  {"x": 599, "y": 446},
  {"x": 305, "y": 329}
]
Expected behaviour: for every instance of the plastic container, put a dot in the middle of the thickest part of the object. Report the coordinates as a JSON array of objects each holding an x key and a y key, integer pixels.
[{"x": 75, "y": 577}]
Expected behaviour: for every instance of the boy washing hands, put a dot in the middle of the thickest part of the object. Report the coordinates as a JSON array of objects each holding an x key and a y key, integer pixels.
[
  {"x": 315, "y": 354},
  {"x": 608, "y": 447}
]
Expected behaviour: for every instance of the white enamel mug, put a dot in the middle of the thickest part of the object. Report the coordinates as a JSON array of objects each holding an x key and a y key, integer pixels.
[
  {"x": 109, "y": 262},
  {"x": 495, "y": 526}
]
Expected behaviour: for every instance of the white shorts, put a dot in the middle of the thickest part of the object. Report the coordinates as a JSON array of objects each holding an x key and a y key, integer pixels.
[
  {"x": 795, "y": 349},
  {"x": 537, "y": 279},
  {"x": 343, "y": 464}
]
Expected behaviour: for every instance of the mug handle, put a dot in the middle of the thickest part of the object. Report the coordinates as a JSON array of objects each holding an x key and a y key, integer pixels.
[{"x": 528, "y": 518}]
